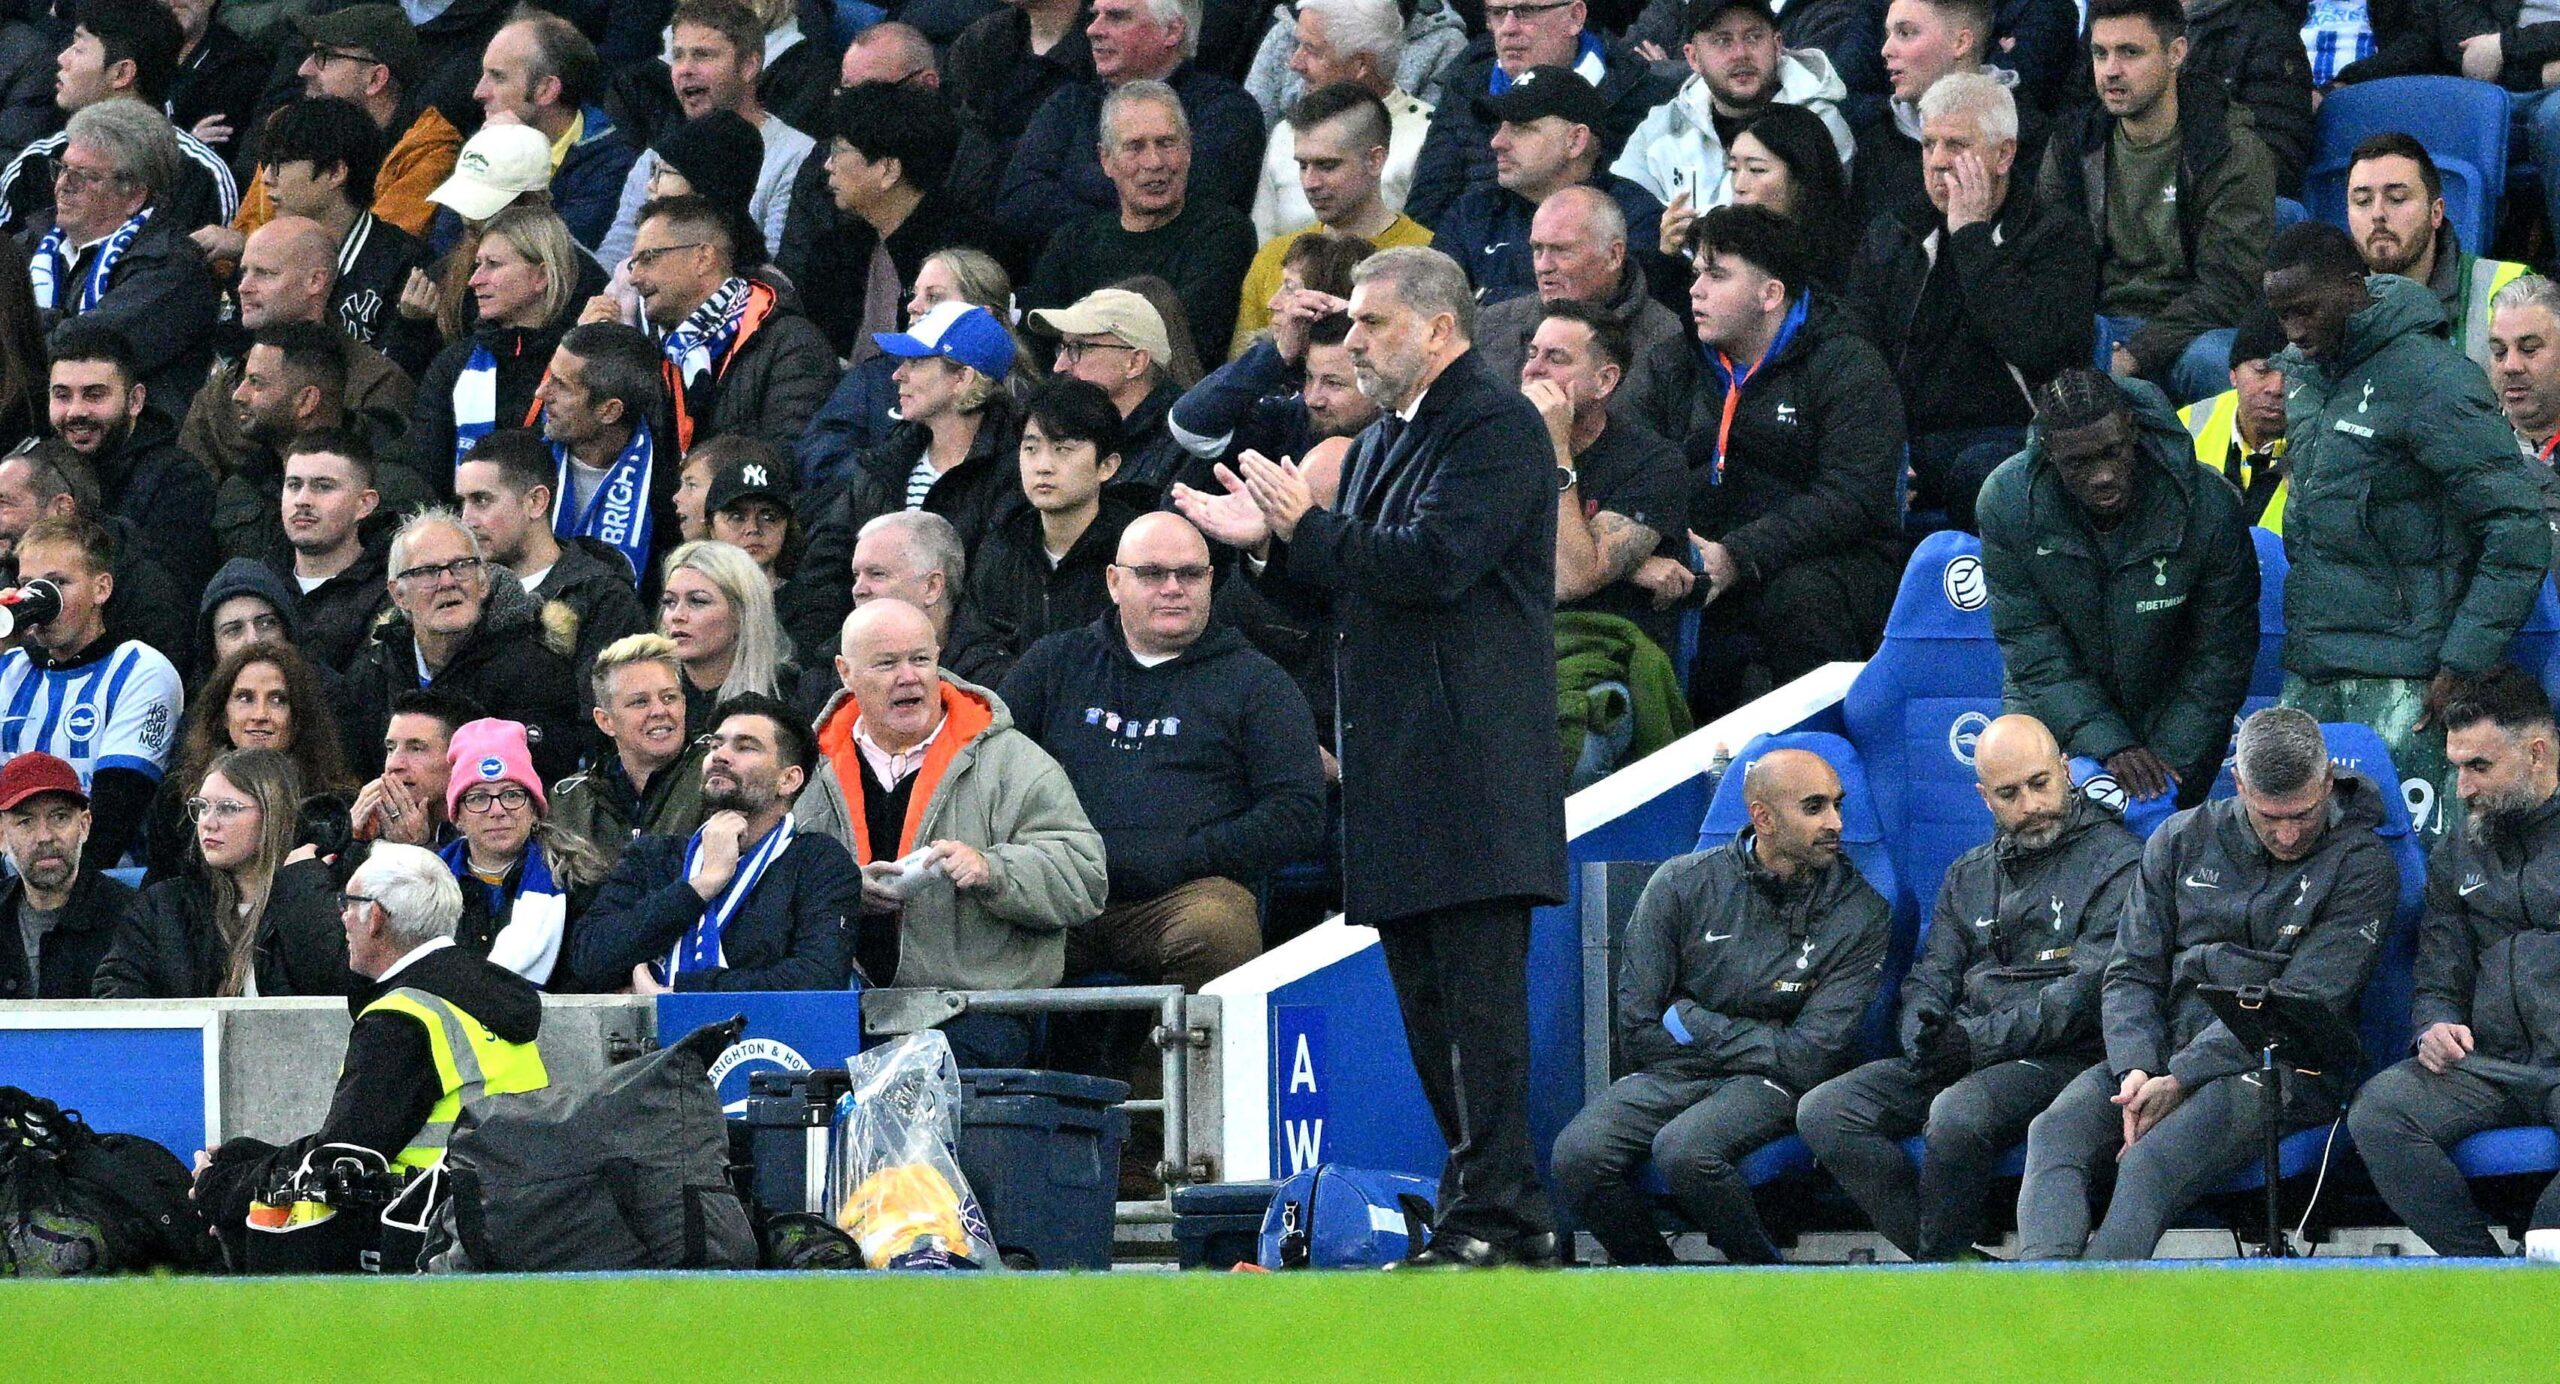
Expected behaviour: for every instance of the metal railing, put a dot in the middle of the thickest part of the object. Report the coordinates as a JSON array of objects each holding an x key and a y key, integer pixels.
[{"x": 1182, "y": 1028}]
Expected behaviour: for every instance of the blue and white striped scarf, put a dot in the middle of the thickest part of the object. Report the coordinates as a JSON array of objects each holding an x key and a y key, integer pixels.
[
  {"x": 50, "y": 266},
  {"x": 618, "y": 513},
  {"x": 699, "y": 949},
  {"x": 706, "y": 334}
]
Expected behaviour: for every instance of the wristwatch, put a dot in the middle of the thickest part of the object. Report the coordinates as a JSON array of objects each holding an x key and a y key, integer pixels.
[{"x": 1564, "y": 479}]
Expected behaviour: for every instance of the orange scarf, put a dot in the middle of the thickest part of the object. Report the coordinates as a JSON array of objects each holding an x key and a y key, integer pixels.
[{"x": 964, "y": 718}]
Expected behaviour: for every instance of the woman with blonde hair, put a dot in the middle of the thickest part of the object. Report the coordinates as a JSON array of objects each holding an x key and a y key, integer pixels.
[
  {"x": 716, "y": 605},
  {"x": 524, "y": 278},
  {"x": 254, "y": 915}
]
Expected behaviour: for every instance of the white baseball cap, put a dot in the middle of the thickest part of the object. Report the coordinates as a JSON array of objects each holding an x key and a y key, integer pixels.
[{"x": 497, "y": 165}]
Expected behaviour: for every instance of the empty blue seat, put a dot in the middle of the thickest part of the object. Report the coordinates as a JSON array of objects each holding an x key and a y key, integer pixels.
[
  {"x": 1917, "y": 707},
  {"x": 2266, "y": 676},
  {"x": 2536, "y": 647},
  {"x": 2463, "y": 123}
]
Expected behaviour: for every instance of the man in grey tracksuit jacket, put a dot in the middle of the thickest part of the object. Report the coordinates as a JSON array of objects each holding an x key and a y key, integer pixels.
[
  {"x": 2288, "y": 888},
  {"x": 1739, "y": 988},
  {"x": 2486, "y": 1019},
  {"x": 1999, "y": 1014}
]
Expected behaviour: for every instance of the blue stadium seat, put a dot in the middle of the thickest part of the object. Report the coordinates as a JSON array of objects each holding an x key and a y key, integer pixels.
[
  {"x": 2505, "y": 1152},
  {"x": 1917, "y": 707},
  {"x": 2536, "y": 647},
  {"x": 1862, "y": 839},
  {"x": 2463, "y": 123}
]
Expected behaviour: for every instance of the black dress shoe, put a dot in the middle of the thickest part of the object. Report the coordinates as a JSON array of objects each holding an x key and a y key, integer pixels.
[
  {"x": 1453, "y": 1251},
  {"x": 1539, "y": 1251}
]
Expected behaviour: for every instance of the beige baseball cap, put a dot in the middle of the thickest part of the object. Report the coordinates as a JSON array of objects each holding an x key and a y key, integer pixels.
[
  {"x": 1110, "y": 312},
  {"x": 497, "y": 165}
]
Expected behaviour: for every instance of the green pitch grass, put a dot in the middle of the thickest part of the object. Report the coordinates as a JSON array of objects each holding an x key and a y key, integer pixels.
[{"x": 2250, "y": 1325}]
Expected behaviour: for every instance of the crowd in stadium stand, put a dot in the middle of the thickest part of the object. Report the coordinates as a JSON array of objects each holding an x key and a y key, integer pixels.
[{"x": 730, "y": 478}]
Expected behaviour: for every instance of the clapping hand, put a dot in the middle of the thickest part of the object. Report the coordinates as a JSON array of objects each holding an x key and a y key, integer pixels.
[{"x": 1231, "y": 518}]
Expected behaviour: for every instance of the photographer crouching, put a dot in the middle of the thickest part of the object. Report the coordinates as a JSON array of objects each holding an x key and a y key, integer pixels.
[{"x": 434, "y": 1027}]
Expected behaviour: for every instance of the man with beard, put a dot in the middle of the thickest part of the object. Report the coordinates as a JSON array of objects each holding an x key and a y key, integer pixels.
[
  {"x": 98, "y": 403},
  {"x": 1440, "y": 549},
  {"x": 2395, "y": 210},
  {"x": 1741, "y": 982},
  {"x": 65, "y": 916},
  {"x": 2284, "y": 885},
  {"x": 749, "y": 901},
  {"x": 1247, "y": 404},
  {"x": 108, "y": 706},
  {"x": 2488, "y": 1040},
  {"x": 2001, "y": 1010}
]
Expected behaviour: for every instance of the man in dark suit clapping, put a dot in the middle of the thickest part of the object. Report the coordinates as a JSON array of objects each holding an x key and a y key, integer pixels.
[{"x": 1438, "y": 567}]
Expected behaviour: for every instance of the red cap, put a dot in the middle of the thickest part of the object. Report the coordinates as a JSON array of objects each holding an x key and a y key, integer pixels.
[{"x": 26, "y": 775}]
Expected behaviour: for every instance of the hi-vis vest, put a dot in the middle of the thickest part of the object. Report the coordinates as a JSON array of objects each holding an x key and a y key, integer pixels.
[
  {"x": 2211, "y": 423},
  {"x": 2476, "y": 282},
  {"x": 470, "y": 1061}
]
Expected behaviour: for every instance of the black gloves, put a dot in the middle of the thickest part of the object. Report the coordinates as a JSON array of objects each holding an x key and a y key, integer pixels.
[{"x": 1940, "y": 1050}]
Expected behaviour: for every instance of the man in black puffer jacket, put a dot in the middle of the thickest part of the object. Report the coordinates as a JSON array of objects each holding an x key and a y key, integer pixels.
[
  {"x": 2487, "y": 1012},
  {"x": 2000, "y": 1011},
  {"x": 2254, "y": 48},
  {"x": 1741, "y": 982},
  {"x": 2286, "y": 886},
  {"x": 1794, "y": 486},
  {"x": 464, "y": 625}
]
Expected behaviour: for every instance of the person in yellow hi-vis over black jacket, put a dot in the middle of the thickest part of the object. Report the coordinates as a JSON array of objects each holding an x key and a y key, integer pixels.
[{"x": 436, "y": 1028}]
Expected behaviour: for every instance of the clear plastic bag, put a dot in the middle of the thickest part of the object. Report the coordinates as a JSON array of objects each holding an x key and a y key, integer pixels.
[{"x": 897, "y": 1188}]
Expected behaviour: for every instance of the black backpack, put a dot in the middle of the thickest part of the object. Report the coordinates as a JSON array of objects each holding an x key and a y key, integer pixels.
[{"x": 77, "y": 1202}]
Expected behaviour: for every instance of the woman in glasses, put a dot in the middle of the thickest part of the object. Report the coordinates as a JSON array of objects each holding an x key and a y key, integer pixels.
[
  {"x": 243, "y": 920},
  {"x": 524, "y": 881},
  {"x": 263, "y": 695}
]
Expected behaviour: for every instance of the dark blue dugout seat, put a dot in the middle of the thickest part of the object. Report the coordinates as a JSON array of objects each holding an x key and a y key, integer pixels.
[
  {"x": 2536, "y": 647},
  {"x": 2463, "y": 123}
]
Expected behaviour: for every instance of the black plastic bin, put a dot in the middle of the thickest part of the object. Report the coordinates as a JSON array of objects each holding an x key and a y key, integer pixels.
[
  {"x": 1219, "y": 1226},
  {"x": 1042, "y": 1151}
]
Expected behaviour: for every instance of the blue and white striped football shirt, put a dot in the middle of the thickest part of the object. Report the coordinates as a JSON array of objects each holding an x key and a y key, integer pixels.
[{"x": 118, "y": 711}]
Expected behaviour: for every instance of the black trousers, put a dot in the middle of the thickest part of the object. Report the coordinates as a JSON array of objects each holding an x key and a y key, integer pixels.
[
  {"x": 1696, "y": 1130},
  {"x": 1462, "y": 981},
  {"x": 1856, "y": 1122},
  {"x": 2406, "y": 1122},
  {"x": 1827, "y": 609}
]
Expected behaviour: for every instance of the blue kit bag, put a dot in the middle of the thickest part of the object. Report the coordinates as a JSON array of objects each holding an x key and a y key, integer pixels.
[{"x": 1333, "y": 1217}]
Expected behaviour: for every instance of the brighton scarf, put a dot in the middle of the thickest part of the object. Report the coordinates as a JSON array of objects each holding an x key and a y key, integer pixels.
[
  {"x": 618, "y": 513},
  {"x": 698, "y": 351},
  {"x": 475, "y": 401},
  {"x": 536, "y": 913},
  {"x": 50, "y": 266},
  {"x": 699, "y": 949}
]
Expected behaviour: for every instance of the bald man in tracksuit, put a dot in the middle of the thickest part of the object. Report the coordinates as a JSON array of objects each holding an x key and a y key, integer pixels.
[
  {"x": 2000, "y": 1013},
  {"x": 1741, "y": 982},
  {"x": 2284, "y": 885}
]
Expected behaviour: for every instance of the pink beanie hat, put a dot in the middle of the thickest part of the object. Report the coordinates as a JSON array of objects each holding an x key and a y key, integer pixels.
[{"x": 486, "y": 752}]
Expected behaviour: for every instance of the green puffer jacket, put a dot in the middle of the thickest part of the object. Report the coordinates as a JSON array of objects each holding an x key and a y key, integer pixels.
[
  {"x": 2149, "y": 646},
  {"x": 2416, "y": 534}
]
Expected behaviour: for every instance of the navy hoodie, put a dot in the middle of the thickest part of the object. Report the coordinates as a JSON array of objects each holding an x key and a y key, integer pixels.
[{"x": 1203, "y": 766}]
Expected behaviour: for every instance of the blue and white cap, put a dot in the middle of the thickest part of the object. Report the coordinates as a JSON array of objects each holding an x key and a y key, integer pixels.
[{"x": 956, "y": 331}]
